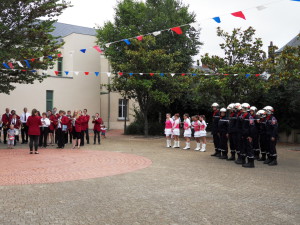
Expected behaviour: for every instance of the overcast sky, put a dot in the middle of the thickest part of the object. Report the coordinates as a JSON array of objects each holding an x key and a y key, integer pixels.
[{"x": 279, "y": 22}]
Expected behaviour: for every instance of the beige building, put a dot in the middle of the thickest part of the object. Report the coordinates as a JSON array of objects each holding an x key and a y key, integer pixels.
[{"x": 72, "y": 89}]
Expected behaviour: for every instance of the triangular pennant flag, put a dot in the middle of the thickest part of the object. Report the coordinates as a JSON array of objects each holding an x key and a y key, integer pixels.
[
  {"x": 239, "y": 14},
  {"x": 83, "y": 50},
  {"x": 183, "y": 74},
  {"x": 162, "y": 74},
  {"x": 76, "y": 73},
  {"x": 97, "y": 74},
  {"x": 20, "y": 64},
  {"x": 120, "y": 73},
  {"x": 235, "y": 74},
  {"x": 261, "y": 7},
  {"x": 107, "y": 45},
  {"x": 257, "y": 75},
  {"x": 41, "y": 58},
  {"x": 217, "y": 19},
  {"x": 127, "y": 41},
  {"x": 108, "y": 74},
  {"x": 172, "y": 74},
  {"x": 141, "y": 74},
  {"x": 96, "y": 47},
  {"x": 50, "y": 57},
  {"x": 32, "y": 60},
  {"x": 27, "y": 63},
  {"x": 59, "y": 55},
  {"x": 226, "y": 74},
  {"x": 33, "y": 71},
  {"x": 194, "y": 74},
  {"x": 295, "y": 0},
  {"x": 86, "y": 73},
  {"x": 265, "y": 75},
  {"x": 6, "y": 66},
  {"x": 44, "y": 72},
  {"x": 67, "y": 72},
  {"x": 177, "y": 30},
  {"x": 248, "y": 75},
  {"x": 11, "y": 65},
  {"x": 140, "y": 38},
  {"x": 56, "y": 73},
  {"x": 130, "y": 74},
  {"x": 156, "y": 33},
  {"x": 151, "y": 74}
]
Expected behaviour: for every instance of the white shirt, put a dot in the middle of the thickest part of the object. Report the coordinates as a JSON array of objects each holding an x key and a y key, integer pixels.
[
  {"x": 22, "y": 117},
  {"x": 45, "y": 122},
  {"x": 13, "y": 121}
]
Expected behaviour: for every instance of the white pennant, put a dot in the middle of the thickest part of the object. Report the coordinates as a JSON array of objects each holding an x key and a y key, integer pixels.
[
  {"x": 235, "y": 74},
  {"x": 261, "y": 7},
  {"x": 265, "y": 75},
  {"x": 107, "y": 45},
  {"x": 76, "y": 73},
  {"x": 44, "y": 72},
  {"x": 156, "y": 33},
  {"x": 41, "y": 58},
  {"x": 20, "y": 64},
  {"x": 141, "y": 74},
  {"x": 172, "y": 74},
  {"x": 108, "y": 74}
]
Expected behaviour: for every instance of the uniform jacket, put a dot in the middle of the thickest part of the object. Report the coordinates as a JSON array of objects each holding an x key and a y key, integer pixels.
[
  {"x": 97, "y": 124},
  {"x": 78, "y": 124},
  {"x": 34, "y": 123},
  {"x": 262, "y": 126},
  {"x": 271, "y": 126},
  {"x": 232, "y": 123},
  {"x": 223, "y": 125},
  {"x": 17, "y": 123},
  {"x": 6, "y": 119},
  {"x": 85, "y": 122},
  {"x": 246, "y": 132},
  {"x": 215, "y": 121},
  {"x": 52, "y": 119}
]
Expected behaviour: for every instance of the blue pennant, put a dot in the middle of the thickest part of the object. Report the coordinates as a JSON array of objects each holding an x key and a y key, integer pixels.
[
  {"x": 248, "y": 75},
  {"x": 127, "y": 41},
  {"x": 97, "y": 74},
  {"x": 6, "y": 66},
  {"x": 194, "y": 74},
  {"x": 217, "y": 19},
  {"x": 130, "y": 74},
  {"x": 50, "y": 57},
  {"x": 27, "y": 63},
  {"x": 162, "y": 74},
  {"x": 83, "y": 50},
  {"x": 67, "y": 72}
]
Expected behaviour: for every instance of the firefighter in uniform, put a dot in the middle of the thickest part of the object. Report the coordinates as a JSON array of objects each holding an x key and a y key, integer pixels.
[
  {"x": 223, "y": 126},
  {"x": 272, "y": 136},
  {"x": 262, "y": 134},
  {"x": 254, "y": 132},
  {"x": 214, "y": 132},
  {"x": 238, "y": 137},
  {"x": 232, "y": 130}
]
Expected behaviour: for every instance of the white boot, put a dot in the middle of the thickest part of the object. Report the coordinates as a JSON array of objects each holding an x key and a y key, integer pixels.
[
  {"x": 198, "y": 147},
  {"x": 178, "y": 144},
  {"x": 175, "y": 144},
  {"x": 203, "y": 149},
  {"x": 168, "y": 143},
  {"x": 186, "y": 146}
]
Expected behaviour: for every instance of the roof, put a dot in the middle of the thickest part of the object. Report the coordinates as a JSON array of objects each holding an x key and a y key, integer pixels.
[
  {"x": 293, "y": 43},
  {"x": 63, "y": 30}
]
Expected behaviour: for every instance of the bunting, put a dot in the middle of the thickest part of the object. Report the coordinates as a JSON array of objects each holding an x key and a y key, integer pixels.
[{"x": 239, "y": 14}]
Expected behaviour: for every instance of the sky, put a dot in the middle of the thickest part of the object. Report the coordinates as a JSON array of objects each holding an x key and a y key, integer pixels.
[{"x": 278, "y": 22}]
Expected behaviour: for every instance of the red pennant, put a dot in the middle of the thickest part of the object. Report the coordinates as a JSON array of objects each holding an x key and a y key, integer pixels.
[
  {"x": 151, "y": 74},
  {"x": 56, "y": 72},
  {"x": 226, "y": 74},
  {"x": 177, "y": 30},
  {"x": 96, "y": 47},
  {"x": 11, "y": 65},
  {"x": 140, "y": 38},
  {"x": 23, "y": 70},
  {"x": 183, "y": 74},
  {"x": 32, "y": 60},
  {"x": 257, "y": 75},
  {"x": 120, "y": 73},
  {"x": 239, "y": 14},
  {"x": 59, "y": 55},
  {"x": 86, "y": 73}
]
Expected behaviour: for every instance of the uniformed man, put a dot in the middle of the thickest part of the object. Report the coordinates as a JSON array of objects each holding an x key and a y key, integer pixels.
[
  {"x": 238, "y": 136},
  {"x": 262, "y": 134},
  {"x": 223, "y": 126},
  {"x": 254, "y": 132},
  {"x": 214, "y": 131},
  {"x": 232, "y": 130}
]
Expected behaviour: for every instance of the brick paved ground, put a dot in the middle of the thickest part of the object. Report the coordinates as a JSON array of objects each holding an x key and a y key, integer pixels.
[{"x": 180, "y": 187}]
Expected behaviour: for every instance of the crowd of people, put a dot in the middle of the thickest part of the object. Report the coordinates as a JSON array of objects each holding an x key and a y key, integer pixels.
[
  {"x": 49, "y": 128},
  {"x": 251, "y": 133}
]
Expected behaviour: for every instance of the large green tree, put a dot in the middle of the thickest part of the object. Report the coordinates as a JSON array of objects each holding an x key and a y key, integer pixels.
[
  {"x": 25, "y": 27},
  {"x": 165, "y": 53}
]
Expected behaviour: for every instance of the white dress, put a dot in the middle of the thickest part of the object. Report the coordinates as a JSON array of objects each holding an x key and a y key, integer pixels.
[
  {"x": 202, "y": 128},
  {"x": 176, "y": 130},
  {"x": 197, "y": 133},
  {"x": 187, "y": 128},
  {"x": 168, "y": 131}
]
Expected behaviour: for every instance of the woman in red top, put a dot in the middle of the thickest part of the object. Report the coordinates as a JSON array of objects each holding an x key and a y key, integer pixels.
[
  {"x": 34, "y": 123},
  {"x": 76, "y": 128},
  {"x": 52, "y": 119},
  {"x": 97, "y": 121}
]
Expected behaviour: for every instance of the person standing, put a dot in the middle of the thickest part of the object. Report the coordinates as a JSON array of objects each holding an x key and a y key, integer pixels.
[
  {"x": 196, "y": 126},
  {"x": 44, "y": 130},
  {"x": 214, "y": 131},
  {"x": 187, "y": 131},
  {"x": 176, "y": 131},
  {"x": 85, "y": 127},
  {"x": 16, "y": 122},
  {"x": 1, "y": 124},
  {"x": 11, "y": 136},
  {"x": 24, "y": 129},
  {"x": 61, "y": 128},
  {"x": 254, "y": 132},
  {"x": 202, "y": 133},
  {"x": 69, "y": 131},
  {"x": 97, "y": 121},
  {"x": 262, "y": 134},
  {"x": 52, "y": 119},
  {"x": 76, "y": 128},
  {"x": 223, "y": 127},
  {"x": 168, "y": 129},
  {"x": 232, "y": 130},
  {"x": 6, "y": 118},
  {"x": 34, "y": 123}
]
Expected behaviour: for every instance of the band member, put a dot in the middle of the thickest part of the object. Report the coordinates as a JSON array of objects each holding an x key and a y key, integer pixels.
[
  {"x": 232, "y": 130},
  {"x": 214, "y": 132},
  {"x": 176, "y": 131},
  {"x": 262, "y": 134},
  {"x": 52, "y": 119},
  {"x": 34, "y": 123},
  {"x": 76, "y": 128},
  {"x": 44, "y": 130},
  {"x": 85, "y": 127},
  {"x": 1, "y": 125},
  {"x": 61, "y": 128},
  {"x": 69, "y": 133},
  {"x": 196, "y": 126},
  {"x": 17, "y": 124},
  {"x": 24, "y": 129},
  {"x": 97, "y": 121},
  {"x": 187, "y": 131},
  {"x": 223, "y": 131},
  {"x": 254, "y": 132},
  {"x": 202, "y": 132},
  {"x": 168, "y": 129},
  {"x": 239, "y": 142},
  {"x": 6, "y": 117},
  {"x": 272, "y": 136}
]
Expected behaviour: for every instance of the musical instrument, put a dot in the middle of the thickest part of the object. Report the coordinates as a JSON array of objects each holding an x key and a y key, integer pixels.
[{"x": 17, "y": 132}]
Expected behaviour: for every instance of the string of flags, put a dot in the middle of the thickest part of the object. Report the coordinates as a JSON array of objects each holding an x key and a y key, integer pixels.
[{"x": 177, "y": 30}]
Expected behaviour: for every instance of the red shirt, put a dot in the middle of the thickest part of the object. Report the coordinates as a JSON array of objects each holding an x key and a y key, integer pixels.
[
  {"x": 52, "y": 119},
  {"x": 97, "y": 124},
  {"x": 34, "y": 123},
  {"x": 78, "y": 124},
  {"x": 85, "y": 122},
  {"x": 6, "y": 119}
]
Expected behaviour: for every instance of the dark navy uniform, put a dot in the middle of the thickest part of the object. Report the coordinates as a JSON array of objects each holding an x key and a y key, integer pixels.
[
  {"x": 255, "y": 136},
  {"x": 223, "y": 128},
  {"x": 262, "y": 139},
  {"x": 232, "y": 130},
  {"x": 272, "y": 136},
  {"x": 239, "y": 142},
  {"x": 214, "y": 132}
]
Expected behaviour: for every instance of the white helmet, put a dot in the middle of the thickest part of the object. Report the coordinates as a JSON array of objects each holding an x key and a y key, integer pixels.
[
  {"x": 253, "y": 108},
  {"x": 269, "y": 109},
  {"x": 261, "y": 113},
  {"x": 245, "y": 107},
  {"x": 223, "y": 110},
  {"x": 238, "y": 106},
  {"x": 215, "y": 105},
  {"x": 231, "y": 106}
]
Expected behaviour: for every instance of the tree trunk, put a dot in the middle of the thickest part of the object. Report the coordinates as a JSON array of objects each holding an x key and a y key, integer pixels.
[{"x": 146, "y": 126}]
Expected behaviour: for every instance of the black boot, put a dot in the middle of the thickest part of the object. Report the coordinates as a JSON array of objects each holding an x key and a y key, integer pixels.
[
  {"x": 256, "y": 155},
  {"x": 243, "y": 159},
  {"x": 250, "y": 163},
  {"x": 224, "y": 155},
  {"x": 215, "y": 154},
  {"x": 273, "y": 162},
  {"x": 232, "y": 157},
  {"x": 239, "y": 159},
  {"x": 268, "y": 160},
  {"x": 263, "y": 157}
]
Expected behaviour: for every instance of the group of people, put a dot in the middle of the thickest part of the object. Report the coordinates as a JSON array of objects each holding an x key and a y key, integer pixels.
[
  {"x": 49, "y": 128},
  {"x": 251, "y": 133}
]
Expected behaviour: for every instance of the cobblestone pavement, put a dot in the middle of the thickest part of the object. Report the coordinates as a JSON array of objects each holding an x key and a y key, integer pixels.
[{"x": 180, "y": 187}]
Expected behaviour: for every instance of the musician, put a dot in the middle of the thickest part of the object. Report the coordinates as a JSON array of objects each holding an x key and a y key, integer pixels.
[
  {"x": 24, "y": 129},
  {"x": 34, "y": 123},
  {"x": 44, "y": 130},
  {"x": 85, "y": 127},
  {"x": 97, "y": 121},
  {"x": 68, "y": 134},
  {"x": 17, "y": 124},
  {"x": 76, "y": 128},
  {"x": 61, "y": 128},
  {"x": 6, "y": 118},
  {"x": 52, "y": 119}
]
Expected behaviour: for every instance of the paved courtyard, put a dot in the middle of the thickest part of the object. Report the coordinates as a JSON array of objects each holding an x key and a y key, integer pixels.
[{"x": 146, "y": 184}]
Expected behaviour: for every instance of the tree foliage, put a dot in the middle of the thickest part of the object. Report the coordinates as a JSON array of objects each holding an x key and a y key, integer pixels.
[{"x": 25, "y": 28}]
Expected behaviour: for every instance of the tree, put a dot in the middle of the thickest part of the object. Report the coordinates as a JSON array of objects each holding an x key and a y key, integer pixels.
[
  {"x": 25, "y": 28},
  {"x": 165, "y": 53}
]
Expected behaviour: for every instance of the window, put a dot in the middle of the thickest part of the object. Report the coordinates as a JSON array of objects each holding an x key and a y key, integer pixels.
[
  {"x": 123, "y": 108},
  {"x": 49, "y": 100},
  {"x": 60, "y": 66}
]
